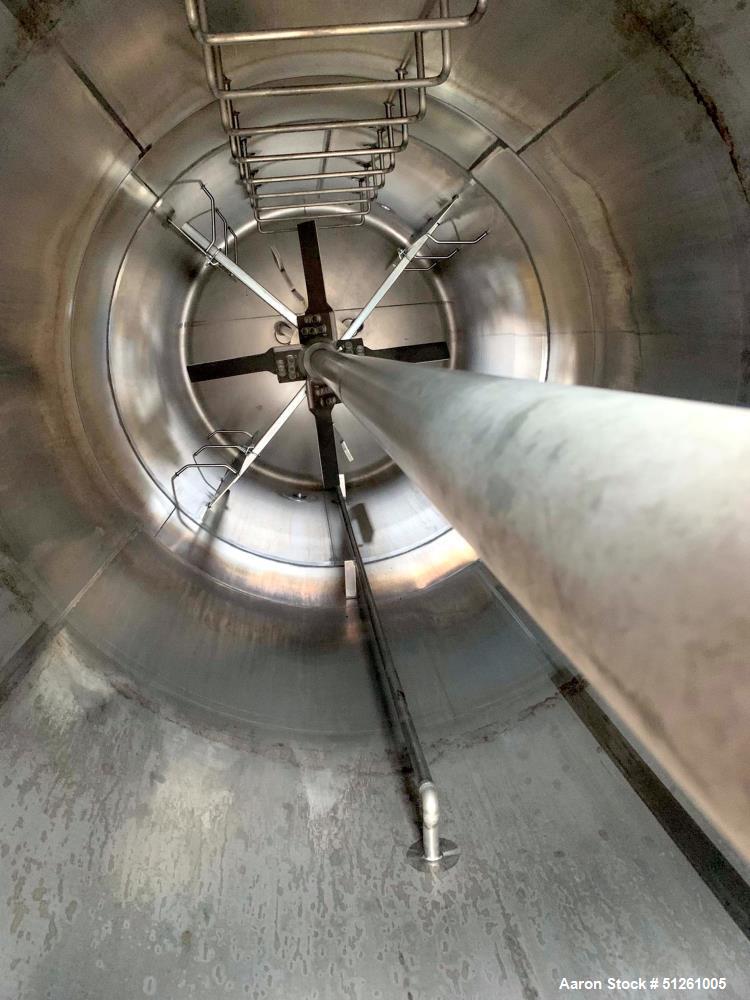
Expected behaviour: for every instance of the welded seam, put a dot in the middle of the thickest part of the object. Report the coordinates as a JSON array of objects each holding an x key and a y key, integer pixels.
[
  {"x": 102, "y": 101},
  {"x": 136, "y": 176},
  {"x": 15, "y": 668},
  {"x": 580, "y": 257},
  {"x": 487, "y": 153},
  {"x": 715, "y": 870},
  {"x": 571, "y": 107}
]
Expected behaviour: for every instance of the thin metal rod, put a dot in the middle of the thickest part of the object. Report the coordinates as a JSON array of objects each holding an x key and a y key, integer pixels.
[
  {"x": 311, "y": 192},
  {"x": 349, "y": 154},
  {"x": 333, "y": 225},
  {"x": 424, "y": 256},
  {"x": 237, "y": 272},
  {"x": 364, "y": 201},
  {"x": 406, "y": 257},
  {"x": 403, "y": 66},
  {"x": 429, "y": 808},
  {"x": 331, "y": 124},
  {"x": 286, "y": 178},
  {"x": 196, "y": 19},
  {"x": 327, "y": 140},
  {"x": 302, "y": 214},
  {"x": 214, "y": 447},
  {"x": 377, "y": 172},
  {"x": 315, "y": 204},
  {"x": 225, "y": 430},
  {"x": 444, "y": 256},
  {"x": 200, "y": 466},
  {"x": 219, "y": 85},
  {"x": 348, "y": 87},
  {"x": 371, "y": 180},
  {"x": 459, "y": 243}
]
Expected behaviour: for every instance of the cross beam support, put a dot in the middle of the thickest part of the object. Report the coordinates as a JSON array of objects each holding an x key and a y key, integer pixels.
[
  {"x": 313, "y": 268},
  {"x": 266, "y": 362}
]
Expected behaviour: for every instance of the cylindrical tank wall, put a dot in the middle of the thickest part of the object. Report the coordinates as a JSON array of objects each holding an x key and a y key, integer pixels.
[{"x": 605, "y": 145}]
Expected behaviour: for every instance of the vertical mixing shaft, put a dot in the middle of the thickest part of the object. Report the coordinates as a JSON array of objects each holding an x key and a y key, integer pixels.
[{"x": 615, "y": 520}]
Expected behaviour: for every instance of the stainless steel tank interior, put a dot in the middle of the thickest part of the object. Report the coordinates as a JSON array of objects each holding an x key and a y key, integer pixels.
[{"x": 200, "y": 791}]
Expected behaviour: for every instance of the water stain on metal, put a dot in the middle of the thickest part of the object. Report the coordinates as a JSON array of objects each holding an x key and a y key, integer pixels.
[
  {"x": 672, "y": 29},
  {"x": 37, "y": 18},
  {"x": 11, "y": 580}
]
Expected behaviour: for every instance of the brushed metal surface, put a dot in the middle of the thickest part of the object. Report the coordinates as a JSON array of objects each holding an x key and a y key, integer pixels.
[
  {"x": 626, "y": 217},
  {"x": 159, "y": 861}
]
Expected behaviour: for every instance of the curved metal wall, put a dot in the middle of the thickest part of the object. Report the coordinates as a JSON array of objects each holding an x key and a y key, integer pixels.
[{"x": 605, "y": 147}]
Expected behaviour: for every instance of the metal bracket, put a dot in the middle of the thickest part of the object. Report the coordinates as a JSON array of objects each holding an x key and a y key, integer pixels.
[
  {"x": 288, "y": 362},
  {"x": 215, "y": 245},
  {"x": 317, "y": 326},
  {"x": 241, "y": 449},
  {"x": 432, "y": 257},
  {"x": 353, "y": 346},
  {"x": 320, "y": 399}
]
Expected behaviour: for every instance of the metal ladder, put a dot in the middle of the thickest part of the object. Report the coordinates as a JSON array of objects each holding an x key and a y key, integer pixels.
[{"x": 360, "y": 170}]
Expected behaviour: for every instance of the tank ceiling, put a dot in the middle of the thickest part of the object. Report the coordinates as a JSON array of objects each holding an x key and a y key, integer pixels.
[{"x": 204, "y": 669}]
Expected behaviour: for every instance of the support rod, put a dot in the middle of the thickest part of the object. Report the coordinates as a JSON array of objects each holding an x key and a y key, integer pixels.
[
  {"x": 428, "y": 796},
  {"x": 406, "y": 257},
  {"x": 619, "y": 521},
  {"x": 254, "y": 453},
  {"x": 237, "y": 272}
]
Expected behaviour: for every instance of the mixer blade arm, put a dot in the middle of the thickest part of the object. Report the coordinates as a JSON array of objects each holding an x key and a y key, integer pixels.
[
  {"x": 329, "y": 465},
  {"x": 415, "y": 353},
  {"x": 227, "y": 367}
]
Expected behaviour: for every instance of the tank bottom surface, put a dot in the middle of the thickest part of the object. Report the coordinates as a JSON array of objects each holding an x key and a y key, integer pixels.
[{"x": 141, "y": 858}]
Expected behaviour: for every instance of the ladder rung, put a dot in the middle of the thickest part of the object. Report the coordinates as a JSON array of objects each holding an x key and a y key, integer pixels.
[{"x": 197, "y": 18}]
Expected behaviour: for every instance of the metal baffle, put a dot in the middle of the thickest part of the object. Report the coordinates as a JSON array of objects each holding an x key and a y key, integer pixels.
[
  {"x": 432, "y": 851},
  {"x": 617, "y": 520}
]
